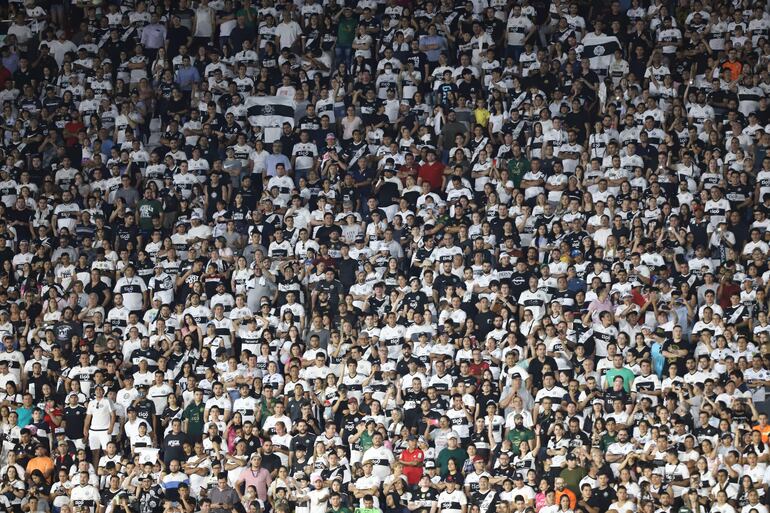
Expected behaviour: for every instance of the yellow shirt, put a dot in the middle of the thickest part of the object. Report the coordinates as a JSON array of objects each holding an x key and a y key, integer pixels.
[{"x": 482, "y": 116}]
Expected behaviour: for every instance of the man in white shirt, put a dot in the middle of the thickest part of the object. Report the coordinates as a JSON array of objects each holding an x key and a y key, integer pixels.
[
  {"x": 380, "y": 456},
  {"x": 100, "y": 420},
  {"x": 85, "y": 495}
]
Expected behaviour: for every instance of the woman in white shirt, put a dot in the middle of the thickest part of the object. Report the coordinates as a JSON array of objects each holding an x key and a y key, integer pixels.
[{"x": 51, "y": 313}]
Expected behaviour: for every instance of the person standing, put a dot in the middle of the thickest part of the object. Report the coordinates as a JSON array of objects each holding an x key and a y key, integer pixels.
[{"x": 100, "y": 420}]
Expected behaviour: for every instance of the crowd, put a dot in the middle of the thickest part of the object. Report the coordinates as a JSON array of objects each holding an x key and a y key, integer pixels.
[{"x": 483, "y": 256}]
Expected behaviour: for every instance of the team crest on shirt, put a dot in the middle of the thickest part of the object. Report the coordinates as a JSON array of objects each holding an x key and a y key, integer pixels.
[{"x": 599, "y": 50}]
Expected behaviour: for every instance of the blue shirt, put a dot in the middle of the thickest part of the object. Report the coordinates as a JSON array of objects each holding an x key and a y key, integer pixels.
[
  {"x": 273, "y": 160},
  {"x": 25, "y": 416},
  {"x": 186, "y": 77}
]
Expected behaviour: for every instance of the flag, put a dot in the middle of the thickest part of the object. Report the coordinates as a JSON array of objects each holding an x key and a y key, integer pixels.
[
  {"x": 270, "y": 112},
  {"x": 599, "y": 50}
]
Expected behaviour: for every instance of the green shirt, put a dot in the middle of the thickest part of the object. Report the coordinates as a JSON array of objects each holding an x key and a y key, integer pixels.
[
  {"x": 517, "y": 168},
  {"x": 148, "y": 209},
  {"x": 193, "y": 414},
  {"x": 572, "y": 478},
  {"x": 624, "y": 373},
  {"x": 607, "y": 440},
  {"x": 346, "y": 30},
  {"x": 366, "y": 440},
  {"x": 516, "y": 436},
  {"x": 266, "y": 409},
  {"x": 250, "y": 22},
  {"x": 446, "y": 454}
]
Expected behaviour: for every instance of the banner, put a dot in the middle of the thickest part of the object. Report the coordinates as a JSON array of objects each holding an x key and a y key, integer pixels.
[
  {"x": 600, "y": 50},
  {"x": 270, "y": 112}
]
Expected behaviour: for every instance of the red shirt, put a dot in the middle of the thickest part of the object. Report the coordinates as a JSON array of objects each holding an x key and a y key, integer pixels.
[
  {"x": 405, "y": 171},
  {"x": 413, "y": 474},
  {"x": 73, "y": 127},
  {"x": 477, "y": 369},
  {"x": 433, "y": 174},
  {"x": 5, "y": 75}
]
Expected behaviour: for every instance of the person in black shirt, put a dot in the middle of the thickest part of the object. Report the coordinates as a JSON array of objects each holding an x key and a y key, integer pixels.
[
  {"x": 386, "y": 189},
  {"x": 145, "y": 409},
  {"x": 303, "y": 438},
  {"x": 425, "y": 495},
  {"x": 114, "y": 488},
  {"x": 323, "y": 234},
  {"x": 74, "y": 419},
  {"x": 127, "y": 235},
  {"x": 603, "y": 495},
  {"x": 36, "y": 381},
  {"x": 347, "y": 268},
  {"x": 172, "y": 443},
  {"x": 445, "y": 279},
  {"x": 252, "y": 441},
  {"x": 469, "y": 86},
  {"x": 270, "y": 460},
  {"x": 487, "y": 498},
  {"x": 447, "y": 91},
  {"x": 416, "y": 299},
  {"x": 176, "y": 36}
]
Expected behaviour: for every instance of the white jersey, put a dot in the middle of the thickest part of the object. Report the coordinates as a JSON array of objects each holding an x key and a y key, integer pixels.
[
  {"x": 132, "y": 290},
  {"x": 101, "y": 411},
  {"x": 517, "y": 29},
  {"x": 85, "y": 496},
  {"x": 381, "y": 458}
]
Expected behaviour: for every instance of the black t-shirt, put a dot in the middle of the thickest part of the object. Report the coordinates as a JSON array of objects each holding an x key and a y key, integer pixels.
[
  {"x": 172, "y": 447},
  {"x": 347, "y": 268},
  {"x": 99, "y": 289},
  {"x": 65, "y": 330},
  {"x": 125, "y": 235},
  {"x": 75, "y": 421},
  {"x": 673, "y": 346},
  {"x": 307, "y": 441},
  {"x": 145, "y": 410},
  {"x": 487, "y": 501},
  {"x": 602, "y": 498},
  {"x": 108, "y": 495},
  {"x": 271, "y": 462},
  {"x": 252, "y": 444},
  {"x": 443, "y": 281},
  {"x": 424, "y": 498},
  {"x": 177, "y": 36},
  {"x": 24, "y": 216}
]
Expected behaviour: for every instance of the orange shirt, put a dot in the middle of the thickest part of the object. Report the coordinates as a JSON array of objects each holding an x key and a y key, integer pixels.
[
  {"x": 734, "y": 67},
  {"x": 765, "y": 431},
  {"x": 569, "y": 493},
  {"x": 44, "y": 464}
]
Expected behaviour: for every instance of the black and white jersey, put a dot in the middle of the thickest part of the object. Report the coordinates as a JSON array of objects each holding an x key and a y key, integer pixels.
[{"x": 452, "y": 502}]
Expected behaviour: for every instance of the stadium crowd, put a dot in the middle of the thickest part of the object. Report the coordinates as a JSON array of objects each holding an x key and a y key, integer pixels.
[{"x": 484, "y": 256}]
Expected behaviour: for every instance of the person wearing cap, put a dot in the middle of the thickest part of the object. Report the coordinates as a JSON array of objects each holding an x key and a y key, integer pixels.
[
  {"x": 366, "y": 485},
  {"x": 255, "y": 475},
  {"x": 452, "y": 451},
  {"x": 412, "y": 459},
  {"x": 452, "y": 499}
]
